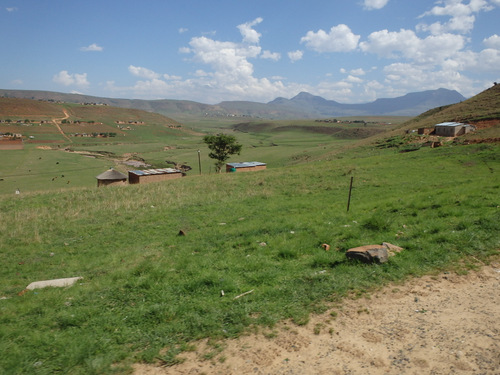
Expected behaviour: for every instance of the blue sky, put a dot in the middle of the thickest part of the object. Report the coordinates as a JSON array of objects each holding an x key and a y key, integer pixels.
[{"x": 215, "y": 50}]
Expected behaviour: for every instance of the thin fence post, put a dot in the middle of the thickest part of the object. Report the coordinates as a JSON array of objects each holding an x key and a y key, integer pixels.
[
  {"x": 199, "y": 160},
  {"x": 349, "y": 199}
]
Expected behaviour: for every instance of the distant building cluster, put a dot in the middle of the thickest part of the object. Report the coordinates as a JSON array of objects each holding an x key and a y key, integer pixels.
[
  {"x": 62, "y": 102},
  {"x": 113, "y": 177},
  {"x": 130, "y": 122},
  {"x": 10, "y": 136},
  {"x": 81, "y": 122},
  {"x": 224, "y": 114},
  {"x": 94, "y": 135},
  {"x": 11, "y": 141}
]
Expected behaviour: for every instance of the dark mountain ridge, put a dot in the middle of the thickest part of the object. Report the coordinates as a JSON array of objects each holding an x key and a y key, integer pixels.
[{"x": 303, "y": 105}]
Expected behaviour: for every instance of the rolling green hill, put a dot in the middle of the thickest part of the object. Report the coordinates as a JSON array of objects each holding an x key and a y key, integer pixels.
[
  {"x": 21, "y": 109},
  {"x": 484, "y": 107},
  {"x": 164, "y": 264}
]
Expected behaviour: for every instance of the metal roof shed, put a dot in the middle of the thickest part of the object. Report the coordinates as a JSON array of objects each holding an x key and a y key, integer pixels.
[
  {"x": 248, "y": 166},
  {"x": 452, "y": 129},
  {"x": 153, "y": 175}
]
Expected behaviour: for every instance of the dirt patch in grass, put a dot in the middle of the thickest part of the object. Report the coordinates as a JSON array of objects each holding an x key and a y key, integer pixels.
[
  {"x": 442, "y": 324},
  {"x": 486, "y": 124}
]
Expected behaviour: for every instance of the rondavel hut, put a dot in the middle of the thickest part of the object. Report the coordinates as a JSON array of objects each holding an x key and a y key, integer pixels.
[{"x": 111, "y": 177}]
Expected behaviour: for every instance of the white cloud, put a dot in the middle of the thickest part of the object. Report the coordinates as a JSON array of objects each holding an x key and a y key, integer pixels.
[
  {"x": 226, "y": 58},
  {"x": 385, "y": 43},
  {"x": 143, "y": 72},
  {"x": 201, "y": 73},
  {"x": 248, "y": 33},
  {"x": 493, "y": 41},
  {"x": 461, "y": 16},
  {"x": 151, "y": 87},
  {"x": 375, "y": 4},
  {"x": 223, "y": 70},
  {"x": 92, "y": 48},
  {"x": 405, "y": 43},
  {"x": 488, "y": 60},
  {"x": 340, "y": 91},
  {"x": 227, "y": 72},
  {"x": 461, "y": 24},
  {"x": 340, "y": 38},
  {"x": 275, "y": 56},
  {"x": 171, "y": 77},
  {"x": 183, "y": 30},
  {"x": 67, "y": 79},
  {"x": 11, "y": 9},
  {"x": 401, "y": 78},
  {"x": 358, "y": 72},
  {"x": 353, "y": 79},
  {"x": 295, "y": 55}
]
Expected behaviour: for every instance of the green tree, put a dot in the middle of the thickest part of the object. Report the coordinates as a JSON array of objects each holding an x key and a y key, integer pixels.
[{"x": 222, "y": 146}]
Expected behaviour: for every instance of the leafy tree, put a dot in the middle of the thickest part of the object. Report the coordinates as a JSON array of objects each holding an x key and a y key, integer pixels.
[{"x": 222, "y": 146}]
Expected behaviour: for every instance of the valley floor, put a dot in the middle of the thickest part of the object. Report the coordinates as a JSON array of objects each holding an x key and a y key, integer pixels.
[{"x": 439, "y": 324}]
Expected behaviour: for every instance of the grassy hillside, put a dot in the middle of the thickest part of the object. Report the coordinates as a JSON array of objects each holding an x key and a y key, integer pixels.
[
  {"x": 482, "y": 107},
  {"x": 54, "y": 160},
  {"x": 21, "y": 109},
  {"x": 148, "y": 292}
]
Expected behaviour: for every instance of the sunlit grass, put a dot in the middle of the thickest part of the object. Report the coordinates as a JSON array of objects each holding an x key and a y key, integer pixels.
[{"x": 147, "y": 288}]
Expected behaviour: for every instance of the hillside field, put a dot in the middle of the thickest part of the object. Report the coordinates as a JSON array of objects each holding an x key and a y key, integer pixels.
[
  {"x": 145, "y": 288},
  {"x": 215, "y": 256},
  {"x": 54, "y": 158}
]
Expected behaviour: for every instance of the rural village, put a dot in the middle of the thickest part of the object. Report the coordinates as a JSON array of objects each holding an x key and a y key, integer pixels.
[{"x": 293, "y": 230}]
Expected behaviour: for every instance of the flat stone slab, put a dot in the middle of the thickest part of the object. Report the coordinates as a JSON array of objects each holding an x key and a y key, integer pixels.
[
  {"x": 54, "y": 283},
  {"x": 368, "y": 254},
  {"x": 392, "y": 249}
]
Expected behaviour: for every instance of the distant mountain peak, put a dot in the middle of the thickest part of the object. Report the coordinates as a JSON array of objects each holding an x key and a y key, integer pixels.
[{"x": 304, "y": 95}]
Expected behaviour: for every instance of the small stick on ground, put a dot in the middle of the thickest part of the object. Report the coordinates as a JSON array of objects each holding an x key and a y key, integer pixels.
[{"x": 244, "y": 294}]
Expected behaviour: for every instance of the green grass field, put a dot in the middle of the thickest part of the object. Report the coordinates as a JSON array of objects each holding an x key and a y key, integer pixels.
[
  {"x": 278, "y": 144},
  {"x": 148, "y": 293}
]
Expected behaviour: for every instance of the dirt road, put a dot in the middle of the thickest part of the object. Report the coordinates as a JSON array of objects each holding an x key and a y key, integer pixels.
[
  {"x": 443, "y": 324},
  {"x": 56, "y": 121}
]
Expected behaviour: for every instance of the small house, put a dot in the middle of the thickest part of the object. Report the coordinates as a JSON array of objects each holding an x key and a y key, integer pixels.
[
  {"x": 111, "y": 177},
  {"x": 452, "y": 129},
  {"x": 248, "y": 166},
  {"x": 153, "y": 175}
]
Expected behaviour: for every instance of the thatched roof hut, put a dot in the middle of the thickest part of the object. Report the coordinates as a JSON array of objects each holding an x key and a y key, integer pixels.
[{"x": 111, "y": 177}]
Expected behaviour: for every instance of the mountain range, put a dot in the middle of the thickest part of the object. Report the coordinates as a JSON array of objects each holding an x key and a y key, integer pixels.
[{"x": 303, "y": 105}]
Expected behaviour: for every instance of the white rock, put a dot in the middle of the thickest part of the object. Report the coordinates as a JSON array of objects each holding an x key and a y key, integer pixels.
[{"x": 55, "y": 283}]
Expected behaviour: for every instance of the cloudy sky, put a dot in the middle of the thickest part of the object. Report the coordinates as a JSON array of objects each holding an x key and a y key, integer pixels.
[{"x": 215, "y": 50}]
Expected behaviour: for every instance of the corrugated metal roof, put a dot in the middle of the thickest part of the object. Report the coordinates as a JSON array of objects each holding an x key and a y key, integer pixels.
[
  {"x": 147, "y": 172},
  {"x": 246, "y": 164},
  {"x": 450, "y": 124}
]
